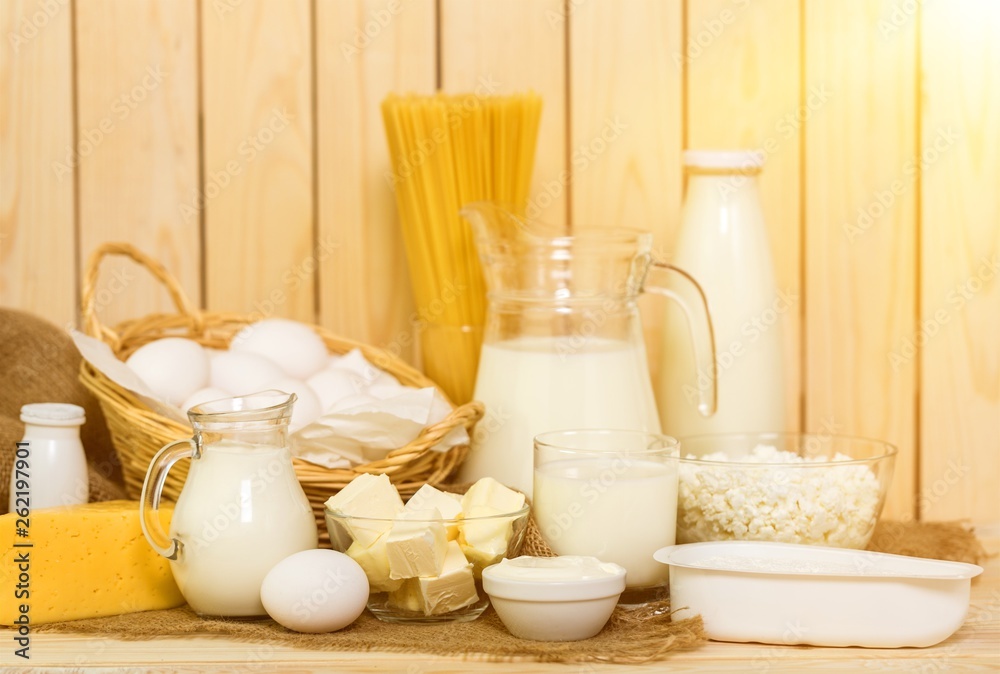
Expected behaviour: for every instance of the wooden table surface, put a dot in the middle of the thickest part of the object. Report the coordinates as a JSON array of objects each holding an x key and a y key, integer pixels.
[{"x": 975, "y": 647}]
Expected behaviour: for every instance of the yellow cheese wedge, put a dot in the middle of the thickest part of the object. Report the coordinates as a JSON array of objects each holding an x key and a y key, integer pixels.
[{"x": 85, "y": 561}]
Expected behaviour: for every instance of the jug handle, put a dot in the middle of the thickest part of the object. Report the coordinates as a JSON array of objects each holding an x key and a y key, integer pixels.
[
  {"x": 152, "y": 490},
  {"x": 690, "y": 296}
]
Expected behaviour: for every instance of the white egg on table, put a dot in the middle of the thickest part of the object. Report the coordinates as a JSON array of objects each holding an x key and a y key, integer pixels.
[
  {"x": 294, "y": 346},
  {"x": 306, "y": 408},
  {"x": 173, "y": 368},
  {"x": 334, "y": 384},
  {"x": 203, "y": 395},
  {"x": 315, "y": 591},
  {"x": 243, "y": 373}
]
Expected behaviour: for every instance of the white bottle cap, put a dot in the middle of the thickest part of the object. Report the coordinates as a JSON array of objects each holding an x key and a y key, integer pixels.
[
  {"x": 749, "y": 161},
  {"x": 53, "y": 414}
]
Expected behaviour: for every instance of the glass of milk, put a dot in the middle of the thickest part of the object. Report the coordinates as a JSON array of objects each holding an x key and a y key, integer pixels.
[{"x": 610, "y": 494}]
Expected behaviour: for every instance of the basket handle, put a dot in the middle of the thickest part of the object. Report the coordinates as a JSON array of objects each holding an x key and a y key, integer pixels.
[{"x": 88, "y": 293}]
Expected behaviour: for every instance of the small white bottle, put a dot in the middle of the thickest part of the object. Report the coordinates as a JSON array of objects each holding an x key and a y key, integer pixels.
[
  {"x": 723, "y": 244},
  {"x": 56, "y": 470}
]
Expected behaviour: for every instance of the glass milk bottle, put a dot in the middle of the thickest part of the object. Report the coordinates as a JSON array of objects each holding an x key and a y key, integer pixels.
[
  {"x": 241, "y": 510},
  {"x": 50, "y": 467},
  {"x": 723, "y": 243}
]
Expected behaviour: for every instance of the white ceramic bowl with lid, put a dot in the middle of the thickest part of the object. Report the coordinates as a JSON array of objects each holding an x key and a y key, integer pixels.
[
  {"x": 784, "y": 593},
  {"x": 565, "y": 598}
]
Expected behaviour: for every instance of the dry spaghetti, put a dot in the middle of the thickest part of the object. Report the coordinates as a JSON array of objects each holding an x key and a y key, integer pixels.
[{"x": 448, "y": 151}]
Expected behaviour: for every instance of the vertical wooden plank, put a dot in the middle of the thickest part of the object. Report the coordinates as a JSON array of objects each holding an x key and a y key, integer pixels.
[
  {"x": 627, "y": 112},
  {"x": 860, "y": 230},
  {"x": 258, "y": 170},
  {"x": 958, "y": 337},
  {"x": 498, "y": 46},
  {"x": 137, "y": 90},
  {"x": 37, "y": 231},
  {"x": 744, "y": 69},
  {"x": 363, "y": 52}
]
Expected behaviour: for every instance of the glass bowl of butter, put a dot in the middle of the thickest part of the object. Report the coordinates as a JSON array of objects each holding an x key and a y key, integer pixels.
[{"x": 424, "y": 559}]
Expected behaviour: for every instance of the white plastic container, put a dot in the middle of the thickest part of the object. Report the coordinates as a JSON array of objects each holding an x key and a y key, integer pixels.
[
  {"x": 57, "y": 464},
  {"x": 723, "y": 242},
  {"x": 782, "y": 593},
  {"x": 564, "y": 598}
]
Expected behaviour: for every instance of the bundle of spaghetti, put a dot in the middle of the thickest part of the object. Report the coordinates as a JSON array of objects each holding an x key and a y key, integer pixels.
[{"x": 448, "y": 151}]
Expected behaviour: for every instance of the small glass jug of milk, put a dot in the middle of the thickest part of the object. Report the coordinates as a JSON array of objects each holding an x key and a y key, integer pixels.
[
  {"x": 563, "y": 345},
  {"x": 241, "y": 510}
]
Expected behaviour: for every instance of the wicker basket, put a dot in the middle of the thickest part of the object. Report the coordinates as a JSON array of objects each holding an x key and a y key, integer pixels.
[{"x": 138, "y": 433}]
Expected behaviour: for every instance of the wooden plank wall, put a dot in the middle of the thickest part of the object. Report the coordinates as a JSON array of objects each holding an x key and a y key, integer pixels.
[{"x": 239, "y": 141}]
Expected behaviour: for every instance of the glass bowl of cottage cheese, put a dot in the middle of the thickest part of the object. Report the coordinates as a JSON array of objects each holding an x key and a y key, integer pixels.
[{"x": 815, "y": 489}]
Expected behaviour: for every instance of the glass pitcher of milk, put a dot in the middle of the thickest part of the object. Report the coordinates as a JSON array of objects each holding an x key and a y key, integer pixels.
[
  {"x": 562, "y": 346},
  {"x": 241, "y": 510}
]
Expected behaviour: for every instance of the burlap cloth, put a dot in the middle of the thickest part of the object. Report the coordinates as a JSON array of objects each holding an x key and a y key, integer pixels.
[{"x": 630, "y": 636}]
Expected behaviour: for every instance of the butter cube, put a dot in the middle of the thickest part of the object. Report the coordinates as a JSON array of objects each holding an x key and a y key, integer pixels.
[
  {"x": 85, "y": 561},
  {"x": 414, "y": 547},
  {"x": 491, "y": 494},
  {"x": 484, "y": 541},
  {"x": 448, "y": 504},
  {"x": 453, "y": 589},
  {"x": 367, "y": 496},
  {"x": 375, "y": 563}
]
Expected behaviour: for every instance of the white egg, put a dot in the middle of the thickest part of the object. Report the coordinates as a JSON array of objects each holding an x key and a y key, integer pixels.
[
  {"x": 243, "y": 373},
  {"x": 306, "y": 408},
  {"x": 315, "y": 591},
  {"x": 351, "y": 402},
  {"x": 204, "y": 395},
  {"x": 334, "y": 384},
  {"x": 294, "y": 346},
  {"x": 172, "y": 367}
]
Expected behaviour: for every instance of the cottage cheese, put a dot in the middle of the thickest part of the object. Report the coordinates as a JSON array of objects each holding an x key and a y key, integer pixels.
[{"x": 792, "y": 502}]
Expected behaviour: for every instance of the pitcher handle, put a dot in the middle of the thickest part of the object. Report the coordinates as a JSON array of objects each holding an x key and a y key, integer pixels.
[
  {"x": 690, "y": 296},
  {"x": 152, "y": 489}
]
